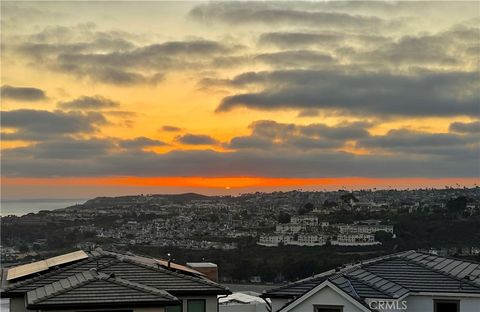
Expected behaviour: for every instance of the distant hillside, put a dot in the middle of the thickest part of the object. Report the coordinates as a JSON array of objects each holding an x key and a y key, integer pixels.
[
  {"x": 138, "y": 199},
  {"x": 185, "y": 196}
]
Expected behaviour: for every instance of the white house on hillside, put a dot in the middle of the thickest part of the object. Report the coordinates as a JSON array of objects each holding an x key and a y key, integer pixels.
[{"x": 409, "y": 281}]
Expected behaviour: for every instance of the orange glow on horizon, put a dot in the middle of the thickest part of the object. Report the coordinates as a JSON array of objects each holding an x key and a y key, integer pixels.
[{"x": 246, "y": 182}]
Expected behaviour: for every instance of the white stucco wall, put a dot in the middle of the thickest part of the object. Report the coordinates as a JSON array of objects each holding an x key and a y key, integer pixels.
[
  {"x": 325, "y": 296},
  {"x": 277, "y": 303},
  {"x": 414, "y": 303}
]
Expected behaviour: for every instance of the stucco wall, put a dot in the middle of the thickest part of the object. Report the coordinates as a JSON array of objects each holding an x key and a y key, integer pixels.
[
  {"x": 325, "y": 296},
  {"x": 277, "y": 303},
  {"x": 412, "y": 303}
]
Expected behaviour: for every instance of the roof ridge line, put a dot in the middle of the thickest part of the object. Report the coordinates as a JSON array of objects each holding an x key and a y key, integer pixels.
[
  {"x": 446, "y": 257},
  {"x": 376, "y": 287},
  {"x": 345, "y": 277},
  {"x": 64, "y": 290},
  {"x": 353, "y": 288},
  {"x": 137, "y": 286}
]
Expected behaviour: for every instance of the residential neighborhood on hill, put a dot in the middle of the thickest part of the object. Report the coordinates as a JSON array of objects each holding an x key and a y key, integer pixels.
[
  {"x": 246, "y": 233},
  {"x": 240, "y": 156}
]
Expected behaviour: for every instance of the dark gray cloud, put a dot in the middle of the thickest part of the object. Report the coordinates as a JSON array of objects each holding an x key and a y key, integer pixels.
[
  {"x": 45, "y": 46},
  {"x": 250, "y": 142},
  {"x": 112, "y": 57},
  {"x": 291, "y": 39},
  {"x": 89, "y": 103},
  {"x": 295, "y": 59},
  {"x": 168, "y": 128},
  {"x": 269, "y": 163},
  {"x": 42, "y": 51},
  {"x": 230, "y": 61},
  {"x": 268, "y": 134},
  {"x": 22, "y": 93},
  {"x": 158, "y": 56},
  {"x": 196, "y": 139},
  {"x": 453, "y": 48},
  {"x": 272, "y": 13},
  {"x": 109, "y": 75},
  {"x": 34, "y": 125},
  {"x": 465, "y": 127},
  {"x": 424, "y": 94},
  {"x": 344, "y": 131},
  {"x": 449, "y": 48},
  {"x": 300, "y": 39},
  {"x": 70, "y": 149},
  {"x": 140, "y": 142},
  {"x": 142, "y": 65},
  {"x": 414, "y": 142}
]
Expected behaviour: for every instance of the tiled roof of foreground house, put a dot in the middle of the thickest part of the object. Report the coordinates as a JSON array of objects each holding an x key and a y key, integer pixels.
[
  {"x": 145, "y": 278},
  {"x": 392, "y": 277},
  {"x": 95, "y": 289}
]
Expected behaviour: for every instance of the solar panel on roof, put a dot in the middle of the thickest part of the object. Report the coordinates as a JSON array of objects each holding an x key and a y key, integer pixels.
[
  {"x": 39, "y": 266},
  {"x": 73, "y": 256},
  {"x": 26, "y": 269}
]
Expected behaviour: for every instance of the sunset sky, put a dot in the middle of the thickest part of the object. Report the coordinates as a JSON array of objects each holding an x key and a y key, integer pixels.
[{"x": 112, "y": 98}]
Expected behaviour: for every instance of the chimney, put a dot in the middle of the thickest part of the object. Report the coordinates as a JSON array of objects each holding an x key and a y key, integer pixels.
[{"x": 208, "y": 268}]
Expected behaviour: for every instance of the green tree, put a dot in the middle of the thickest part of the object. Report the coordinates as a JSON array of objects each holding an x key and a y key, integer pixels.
[
  {"x": 457, "y": 205},
  {"x": 284, "y": 217},
  {"x": 308, "y": 207}
]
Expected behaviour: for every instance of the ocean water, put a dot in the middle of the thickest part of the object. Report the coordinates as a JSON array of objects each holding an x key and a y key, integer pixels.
[{"x": 23, "y": 207}]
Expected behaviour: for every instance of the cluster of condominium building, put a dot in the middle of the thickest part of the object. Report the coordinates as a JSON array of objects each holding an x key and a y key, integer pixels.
[{"x": 308, "y": 230}]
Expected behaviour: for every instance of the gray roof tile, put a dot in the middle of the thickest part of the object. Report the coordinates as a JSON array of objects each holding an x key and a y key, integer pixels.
[
  {"x": 394, "y": 276},
  {"x": 126, "y": 267},
  {"x": 91, "y": 288}
]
